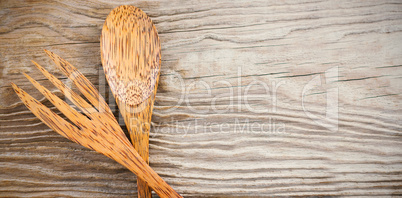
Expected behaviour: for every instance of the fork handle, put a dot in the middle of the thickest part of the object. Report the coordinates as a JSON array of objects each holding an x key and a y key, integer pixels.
[{"x": 126, "y": 155}]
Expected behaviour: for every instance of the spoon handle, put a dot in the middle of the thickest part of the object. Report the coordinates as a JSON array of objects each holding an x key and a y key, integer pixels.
[
  {"x": 139, "y": 127},
  {"x": 128, "y": 157}
]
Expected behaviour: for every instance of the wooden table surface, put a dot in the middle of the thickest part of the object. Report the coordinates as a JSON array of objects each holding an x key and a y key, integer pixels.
[{"x": 263, "y": 98}]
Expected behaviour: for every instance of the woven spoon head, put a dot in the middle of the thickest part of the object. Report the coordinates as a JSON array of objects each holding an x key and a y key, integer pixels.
[{"x": 131, "y": 55}]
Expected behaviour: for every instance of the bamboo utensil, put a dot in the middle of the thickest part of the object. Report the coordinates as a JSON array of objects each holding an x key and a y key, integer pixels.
[
  {"x": 98, "y": 130},
  {"x": 131, "y": 59}
]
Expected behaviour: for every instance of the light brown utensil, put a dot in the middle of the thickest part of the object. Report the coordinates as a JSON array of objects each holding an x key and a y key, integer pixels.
[
  {"x": 131, "y": 58},
  {"x": 98, "y": 130}
]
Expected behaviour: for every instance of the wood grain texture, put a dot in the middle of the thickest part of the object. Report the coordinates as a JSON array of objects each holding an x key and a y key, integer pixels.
[{"x": 225, "y": 45}]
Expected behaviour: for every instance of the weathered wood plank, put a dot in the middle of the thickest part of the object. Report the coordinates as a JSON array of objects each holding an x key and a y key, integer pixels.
[{"x": 219, "y": 143}]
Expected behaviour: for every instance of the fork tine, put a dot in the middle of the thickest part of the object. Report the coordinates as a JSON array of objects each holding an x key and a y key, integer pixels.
[
  {"x": 83, "y": 105},
  {"x": 82, "y": 83},
  {"x": 68, "y": 111},
  {"x": 78, "y": 101},
  {"x": 47, "y": 116}
]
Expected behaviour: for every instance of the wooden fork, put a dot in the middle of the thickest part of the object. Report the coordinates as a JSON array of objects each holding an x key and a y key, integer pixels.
[{"x": 98, "y": 130}]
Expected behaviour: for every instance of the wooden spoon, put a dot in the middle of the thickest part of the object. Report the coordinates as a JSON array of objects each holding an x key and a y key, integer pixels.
[{"x": 131, "y": 58}]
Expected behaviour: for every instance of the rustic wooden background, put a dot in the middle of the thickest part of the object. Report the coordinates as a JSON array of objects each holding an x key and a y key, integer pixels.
[{"x": 207, "y": 138}]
